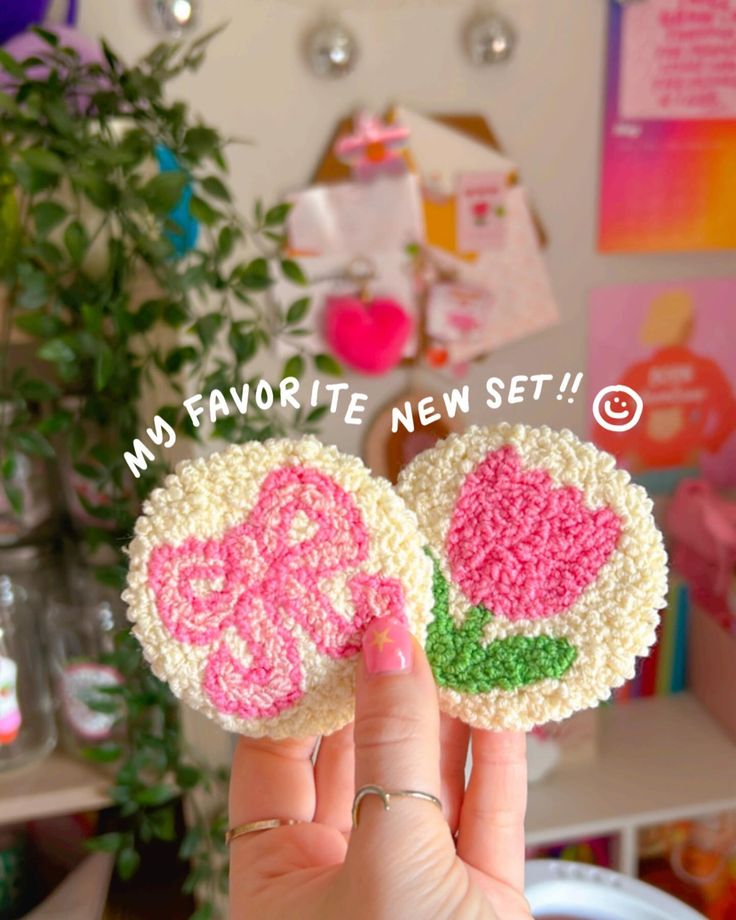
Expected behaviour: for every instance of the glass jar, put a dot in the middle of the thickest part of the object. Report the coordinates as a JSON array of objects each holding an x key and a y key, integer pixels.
[
  {"x": 80, "y": 632},
  {"x": 27, "y": 729},
  {"x": 37, "y": 567},
  {"x": 29, "y": 480}
]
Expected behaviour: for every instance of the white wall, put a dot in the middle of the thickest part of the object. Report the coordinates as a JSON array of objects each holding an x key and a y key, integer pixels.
[{"x": 545, "y": 105}]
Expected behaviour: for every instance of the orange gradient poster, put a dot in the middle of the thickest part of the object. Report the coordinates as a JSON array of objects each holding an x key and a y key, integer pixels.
[
  {"x": 675, "y": 345},
  {"x": 668, "y": 177}
]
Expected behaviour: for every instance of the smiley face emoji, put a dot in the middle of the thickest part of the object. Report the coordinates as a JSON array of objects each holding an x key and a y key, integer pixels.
[
  {"x": 549, "y": 573},
  {"x": 617, "y": 408}
]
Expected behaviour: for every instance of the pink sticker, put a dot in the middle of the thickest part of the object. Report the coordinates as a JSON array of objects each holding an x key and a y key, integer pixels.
[
  {"x": 481, "y": 211},
  {"x": 10, "y": 716},
  {"x": 82, "y": 684}
]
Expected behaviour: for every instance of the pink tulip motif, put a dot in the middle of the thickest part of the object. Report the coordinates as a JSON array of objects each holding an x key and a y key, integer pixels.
[
  {"x": 521, "y": 548},
  {"x": 263, "y": 582}
]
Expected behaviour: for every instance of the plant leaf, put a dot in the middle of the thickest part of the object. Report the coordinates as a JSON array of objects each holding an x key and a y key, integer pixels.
[
  {"x": 292, "y": 270},
  {"x": 47, "y": 215},
  {"x": 163, "y": 192},
  {"x": 277, "y": 215},
  {"x": 216, "y": 188},
  {"x": 76, "y": 241},
  {"x": 328, "y": 365},
  {"x": 294, "y": 367},
  {"x": 297, "y": 311}
]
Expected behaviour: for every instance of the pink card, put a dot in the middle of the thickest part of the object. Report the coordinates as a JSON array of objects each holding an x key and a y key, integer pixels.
[
  {"x": 678, "y": 60},
  {"x": 481, "y": 211},
  {"x": 457, "y": 315}
]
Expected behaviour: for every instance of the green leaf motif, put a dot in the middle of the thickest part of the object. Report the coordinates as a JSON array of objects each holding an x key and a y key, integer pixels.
[{"x": 460, "y": 659}]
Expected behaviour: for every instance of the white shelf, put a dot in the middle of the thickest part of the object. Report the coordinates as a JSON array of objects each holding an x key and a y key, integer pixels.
[
  {"x": 59, "y": 785},
  {"x": 659, "y": 759}
]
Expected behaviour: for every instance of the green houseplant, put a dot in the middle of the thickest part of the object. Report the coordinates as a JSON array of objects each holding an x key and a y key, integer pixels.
[{"x": 86, "y": 222}]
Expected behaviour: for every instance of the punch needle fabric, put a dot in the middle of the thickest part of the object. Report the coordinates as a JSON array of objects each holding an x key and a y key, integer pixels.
[
  {"x": 254, "y": 573},
  {"x": 549, "y": 573}
]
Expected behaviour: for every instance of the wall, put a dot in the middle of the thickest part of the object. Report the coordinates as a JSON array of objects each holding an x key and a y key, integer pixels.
[{"x": 545, "y": 105}]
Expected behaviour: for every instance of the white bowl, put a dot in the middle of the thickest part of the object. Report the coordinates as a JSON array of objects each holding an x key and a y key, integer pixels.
[{"x": 574, "y": 891}]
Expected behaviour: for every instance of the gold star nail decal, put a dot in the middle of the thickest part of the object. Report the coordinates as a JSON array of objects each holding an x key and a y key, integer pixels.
[{"x": 379, "y": 639}]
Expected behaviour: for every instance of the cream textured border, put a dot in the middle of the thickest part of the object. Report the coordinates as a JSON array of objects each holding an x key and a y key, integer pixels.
[
  {"x": 615, "y": 618},
  {"x": 204, "y": 498}
]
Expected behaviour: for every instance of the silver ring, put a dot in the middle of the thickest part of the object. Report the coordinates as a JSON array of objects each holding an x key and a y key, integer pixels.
[{"x": 385, "y": 796}]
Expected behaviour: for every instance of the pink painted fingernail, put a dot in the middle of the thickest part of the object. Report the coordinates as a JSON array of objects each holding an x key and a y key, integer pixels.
[{"x": 388, "y": 647}]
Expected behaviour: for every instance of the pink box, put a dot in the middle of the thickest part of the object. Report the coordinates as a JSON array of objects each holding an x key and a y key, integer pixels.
[{"x": 712, "y": 664}]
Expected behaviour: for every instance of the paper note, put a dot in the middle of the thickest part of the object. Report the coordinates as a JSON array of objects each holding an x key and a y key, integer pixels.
[
  {"x": 356, "y": 218},
  {"x": 679, "y": 59},
  {"x": 481, "y": 211}
]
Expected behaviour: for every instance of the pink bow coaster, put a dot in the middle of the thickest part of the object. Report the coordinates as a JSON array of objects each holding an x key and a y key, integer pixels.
[{"x": 255, "y": 597}]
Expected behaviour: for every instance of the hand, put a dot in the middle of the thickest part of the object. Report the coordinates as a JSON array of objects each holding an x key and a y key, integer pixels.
[{"x": 412, "y": 861}]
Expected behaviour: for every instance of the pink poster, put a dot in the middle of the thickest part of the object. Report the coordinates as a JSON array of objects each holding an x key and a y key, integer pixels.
[{"x": 675, "y": 345}]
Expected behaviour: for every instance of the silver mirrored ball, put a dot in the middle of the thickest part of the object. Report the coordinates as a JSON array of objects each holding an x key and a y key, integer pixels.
[
  {"x": 331, "y": 50},
  {"x": 173, "y": 16},
  {"x": 489, "y": 39}
]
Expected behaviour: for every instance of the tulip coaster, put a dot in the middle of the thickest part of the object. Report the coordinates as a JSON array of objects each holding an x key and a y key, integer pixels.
[
  {"x": 254, "y": 574},
  {"x": 549, "y": 573}
]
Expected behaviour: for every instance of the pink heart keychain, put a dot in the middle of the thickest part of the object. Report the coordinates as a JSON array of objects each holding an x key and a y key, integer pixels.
[{"x": 367, "y": 335}]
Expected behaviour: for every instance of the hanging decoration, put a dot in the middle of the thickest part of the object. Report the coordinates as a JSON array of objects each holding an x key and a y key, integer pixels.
[
  {"x": 374, "y": 147},
  {"x": 185, "y": 229},
  {"x": 489, "y": 39},
  {"x": 172, "y": 16},
  {"x": 331, "y": 50},
  {"x": 366, "y": 333}
]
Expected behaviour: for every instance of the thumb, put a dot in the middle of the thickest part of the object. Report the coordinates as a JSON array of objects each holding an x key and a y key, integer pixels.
[{"x": 397, "y": 742}]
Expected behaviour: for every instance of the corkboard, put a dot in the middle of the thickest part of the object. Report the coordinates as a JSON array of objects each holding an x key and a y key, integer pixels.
[{"x": 330, "y": 169}]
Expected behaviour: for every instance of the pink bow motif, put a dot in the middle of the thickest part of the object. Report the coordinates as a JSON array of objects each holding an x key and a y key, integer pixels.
[{"x": 265, "y": 579}]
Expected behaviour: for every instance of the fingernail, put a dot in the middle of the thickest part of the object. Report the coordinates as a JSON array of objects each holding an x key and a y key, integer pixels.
[{"x": 388, "y": 647}]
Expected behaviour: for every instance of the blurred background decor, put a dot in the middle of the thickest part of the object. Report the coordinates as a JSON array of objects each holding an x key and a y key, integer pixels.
[{"x": 126, "y": 271}]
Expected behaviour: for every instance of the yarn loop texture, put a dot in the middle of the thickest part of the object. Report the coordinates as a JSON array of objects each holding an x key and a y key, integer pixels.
[
  {"x": 254, "y": 574},
  {"x": 549, "y": 573}
]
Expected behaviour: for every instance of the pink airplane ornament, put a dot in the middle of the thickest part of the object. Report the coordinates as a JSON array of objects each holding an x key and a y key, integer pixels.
[{"x": 374, "y": 148}]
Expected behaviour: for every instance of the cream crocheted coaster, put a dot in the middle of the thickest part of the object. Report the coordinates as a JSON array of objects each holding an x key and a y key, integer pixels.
[
  {"x": 254, "y": 573},
  {"x": 549, "y": 573}
]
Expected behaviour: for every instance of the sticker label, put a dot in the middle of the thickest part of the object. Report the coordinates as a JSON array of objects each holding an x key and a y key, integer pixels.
[
  {"x": 481, "y": 211},
  {"x": 80, "y": 686},
  {"x": 10, "y": 717}
]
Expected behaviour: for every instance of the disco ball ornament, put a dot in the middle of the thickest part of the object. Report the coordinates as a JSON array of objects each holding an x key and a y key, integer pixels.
[
  {"x": 489, "y": 39},
  {"x": 331, "y": 50},
  {"x": 173, "y": 16}
]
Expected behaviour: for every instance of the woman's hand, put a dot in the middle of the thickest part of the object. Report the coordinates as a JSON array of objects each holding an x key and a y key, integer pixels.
[{"x": 409, "y": 862}]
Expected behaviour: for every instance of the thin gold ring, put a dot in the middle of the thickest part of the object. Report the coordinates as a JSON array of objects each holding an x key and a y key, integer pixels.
[
  {"x": 385, "y": 796},
  {"x": 255, "y": 827}
]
